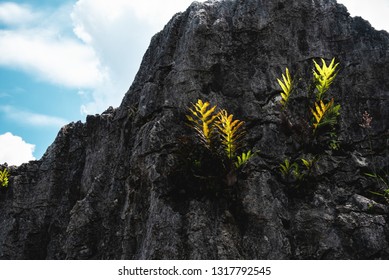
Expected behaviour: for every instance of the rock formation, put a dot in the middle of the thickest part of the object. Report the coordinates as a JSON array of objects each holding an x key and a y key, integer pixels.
[{"x": 115, "y": 186}]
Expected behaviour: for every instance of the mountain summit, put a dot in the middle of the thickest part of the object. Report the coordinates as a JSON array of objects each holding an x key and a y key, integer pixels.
[{"x": 122, "y": 186}]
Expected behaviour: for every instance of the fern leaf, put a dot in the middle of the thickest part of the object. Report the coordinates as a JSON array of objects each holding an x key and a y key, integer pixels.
[
  {"x": 230, "y": 131},
  {"x": 325, "y": 114},
  {"x": 318, "y": 113},
  {"x": 306, "y": 163},
  {"x": 244, "y": 158},
  {"x": 202, "y": 121},
  {"x": 324, "y": 76},
  {"x": 285, "y": 168},
  {"x": 286, "y": 85},
  {"x": 4, "y": 178}
]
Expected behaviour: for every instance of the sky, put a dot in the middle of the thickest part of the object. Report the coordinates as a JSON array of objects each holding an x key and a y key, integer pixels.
[{"x": 61, "y": 60}]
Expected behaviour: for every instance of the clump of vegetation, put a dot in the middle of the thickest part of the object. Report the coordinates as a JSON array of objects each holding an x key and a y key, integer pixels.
[
  {"x": 4, "y": 175},
  {"x": 202, "y": 120},
  {"x": 380, "y": 177},
  {"x": 221, "y": 135},
  {"x": 244, "y": 158},
  {"x": 324, "y": 112},
  {"x": 230, "y": 132},
  {"x": 287, "y": 85},
  {"x": 324, "y": 76},
  {"x": 382, "y": 181},
  {"x": 320, "y": 125},
  {"x": 298, "y": 171}
]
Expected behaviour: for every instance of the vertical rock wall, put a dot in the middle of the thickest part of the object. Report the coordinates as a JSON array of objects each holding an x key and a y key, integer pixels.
[{"x": 116, "y": 186}]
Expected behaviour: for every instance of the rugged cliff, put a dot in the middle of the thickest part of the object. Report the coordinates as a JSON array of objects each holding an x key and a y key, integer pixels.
[{"x": 117, "y": 186}]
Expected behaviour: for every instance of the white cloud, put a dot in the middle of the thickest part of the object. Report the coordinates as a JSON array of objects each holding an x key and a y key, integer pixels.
[
  {"x": 57, "y": 60},
  {"x": 109, "y": 38},
  {"x": 32, "y": 119},
  {"x": 14, "y": 150},
  {"x": 44, "y": 49},
  {"x": 158, "y": 12},
  {"x": 374, "y": 11},
  {"x": 119, "y": 31},
  {"x": 102, "y": 55},
  {"x": 14, "y": 14}
]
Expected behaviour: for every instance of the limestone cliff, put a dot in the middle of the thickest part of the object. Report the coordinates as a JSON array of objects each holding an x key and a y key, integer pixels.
[{"x": 116, "y": 187}]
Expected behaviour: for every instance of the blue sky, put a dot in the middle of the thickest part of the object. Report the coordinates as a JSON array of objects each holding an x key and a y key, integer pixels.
[{"x": 63, "y": 59}]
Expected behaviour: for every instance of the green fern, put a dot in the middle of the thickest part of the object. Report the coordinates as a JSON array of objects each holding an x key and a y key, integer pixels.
[
  {"x": 287, "y": 167},
  {"x": 231, "y": 131},
  {"x": 202, "y": 121},
  {"x": 324, "y": 76},
  {"x": 325, "y": 114},
  {"x": 244, "y": 158},
  {"x": 307, "y": 163},
  {"x": 287, "y": 86},
  {"x": 4, "y": 178}
]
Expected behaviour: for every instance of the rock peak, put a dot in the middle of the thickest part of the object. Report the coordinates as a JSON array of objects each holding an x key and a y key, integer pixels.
[{"x": 119, "y": 186}]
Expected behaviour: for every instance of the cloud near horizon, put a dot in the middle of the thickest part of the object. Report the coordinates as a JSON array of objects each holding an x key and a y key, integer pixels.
[
  {"x": 14, "y": 150},
  {"x": 31, "y": 119},
  {"x": 94, "y": 46},
  {"x": 58, "y": 61},
  {"x": 119, "y": 31},
  {"x": 35, "y": 43},
  {"x": 100, "y": 55}
]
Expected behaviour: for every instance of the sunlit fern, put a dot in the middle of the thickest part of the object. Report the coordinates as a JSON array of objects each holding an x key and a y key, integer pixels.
[
  {"x": 287, "y": 167},
  {"x": 325, "y": 114},
  {"x": 287, "y": 85},
  {"x": 202, "y": 120},
  {"x": 324, "y": 76},
  {"x": 307, "y": 163},
  {"x": 231, "y": 131},
  {"x": 4, "y": 178},
  {"x": 244, "y": 158}
]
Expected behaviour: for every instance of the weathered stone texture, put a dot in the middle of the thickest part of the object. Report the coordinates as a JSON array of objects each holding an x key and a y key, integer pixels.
[{"x": 113, "y": 187}]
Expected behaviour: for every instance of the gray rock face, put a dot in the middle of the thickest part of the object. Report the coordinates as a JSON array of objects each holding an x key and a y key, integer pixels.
[{"x": 117, "y": 186}]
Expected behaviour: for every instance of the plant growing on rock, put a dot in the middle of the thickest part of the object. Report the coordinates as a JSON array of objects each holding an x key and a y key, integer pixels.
[
  {"x": 313, "y": 120},
  {"x": 287, "y": 86},
  {"x": 230, "y": 132},
  {"x": 244, "y": 158},
  {"x": 380, "y": 177},
  {"x": 4, "y": 175},
  {"x": 324, "y": 111},
  {"x": 381, "y": 181},
  {"x": 324, "y": 76},
  {"x": 221, "y": 135},
  {"x": 293, "y": 171},
  {"x": 325, "y": 114},
  {"x": 202, "y": 120},
  {"x": 287, "y": 168}
]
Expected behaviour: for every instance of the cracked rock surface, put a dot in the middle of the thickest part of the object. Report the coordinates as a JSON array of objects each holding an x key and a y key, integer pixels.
[{"x": 114, "y": 187}]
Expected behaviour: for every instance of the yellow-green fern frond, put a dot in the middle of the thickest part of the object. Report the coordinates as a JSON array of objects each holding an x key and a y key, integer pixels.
[
  {"x": 309, "y": 163},
  {"x": 325, "y": 114},
  {"x": 324, "y": 76},
  {"x": 230, "y": 131},
  {"x": 244, "y": 158},
  {"x": 4, "y": 178},
  {"x": 287, "y": 167},
  {"x": 286, "y": 84},
  {"x": 319, "y": 111},
  {"x": 202, "y": 120}
]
